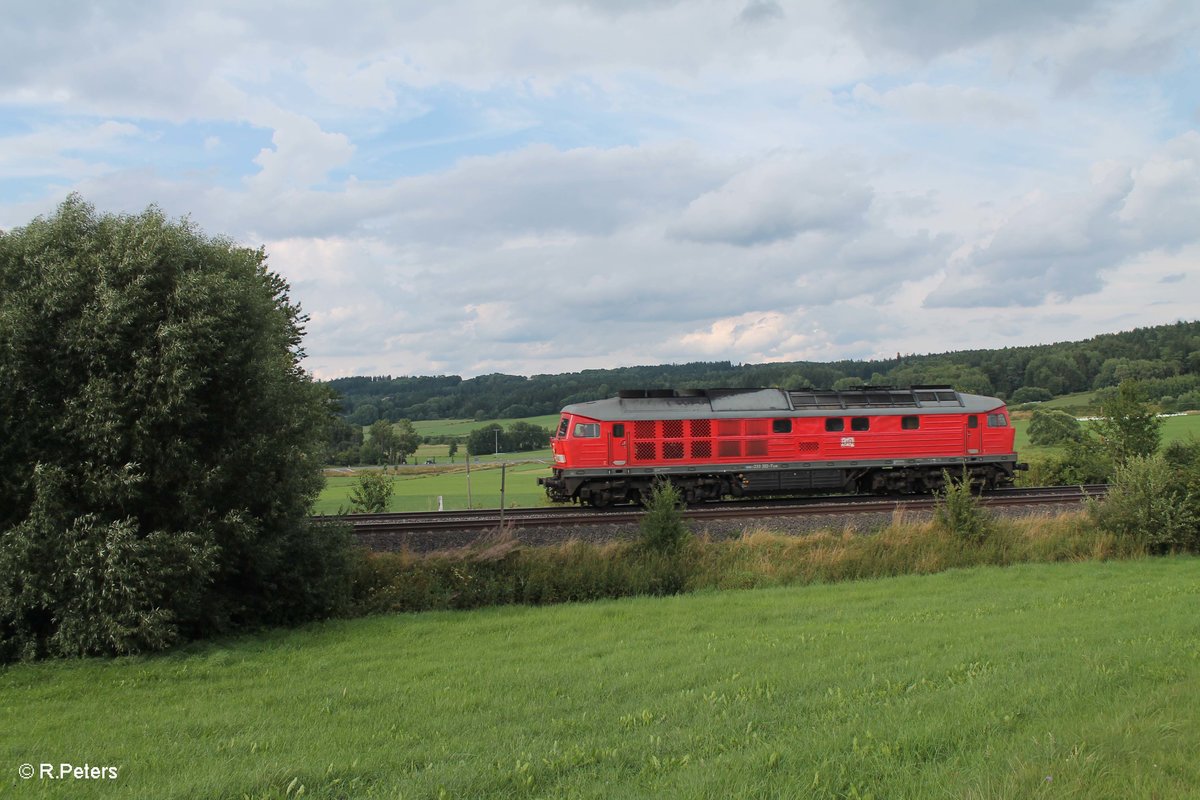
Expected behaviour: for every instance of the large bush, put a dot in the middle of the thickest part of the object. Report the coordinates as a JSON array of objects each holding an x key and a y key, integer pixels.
[
  {"x": 158, "y": 440},
  {"x": 1150, "y": 502}
]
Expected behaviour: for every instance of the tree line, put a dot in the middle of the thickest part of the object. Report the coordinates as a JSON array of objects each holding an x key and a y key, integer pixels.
[{"x": 1164, "y": 359}]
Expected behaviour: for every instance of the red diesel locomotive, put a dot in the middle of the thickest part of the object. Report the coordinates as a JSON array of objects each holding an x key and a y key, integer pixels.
[{"x": 714, "y": 443}]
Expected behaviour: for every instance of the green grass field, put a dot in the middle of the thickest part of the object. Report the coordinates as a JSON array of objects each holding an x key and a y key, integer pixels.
[
  {"x": 418, "y": 488},
  {"x": 1173, "y": 429},
  {"x": 1069, "y": 680}
]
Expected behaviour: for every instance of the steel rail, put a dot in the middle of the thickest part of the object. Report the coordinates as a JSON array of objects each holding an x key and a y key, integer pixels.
[{"x": 483, "y": 520}]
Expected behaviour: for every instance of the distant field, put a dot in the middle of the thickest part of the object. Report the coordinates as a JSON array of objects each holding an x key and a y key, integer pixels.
[
  {"x": 418, "y": 490},
  {"x": 462, "y": 427},
  {"x": 1173, "y": 429},
  {"x": 1071, "y": 680},
  {"x": 1071, "y": 402}
]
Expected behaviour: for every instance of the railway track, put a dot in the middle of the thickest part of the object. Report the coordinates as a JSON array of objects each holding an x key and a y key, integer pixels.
[{"x": 440, "y": 529}]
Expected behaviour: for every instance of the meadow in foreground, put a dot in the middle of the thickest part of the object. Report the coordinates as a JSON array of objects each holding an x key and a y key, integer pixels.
[{"x": 1075, "y": 679}]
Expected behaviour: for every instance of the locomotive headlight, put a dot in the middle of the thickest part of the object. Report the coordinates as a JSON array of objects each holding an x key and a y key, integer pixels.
[{"x": 559, "y": 458}]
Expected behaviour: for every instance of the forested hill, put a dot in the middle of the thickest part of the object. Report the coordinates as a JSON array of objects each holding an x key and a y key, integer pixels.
[{"x": 1165, "y": 358}]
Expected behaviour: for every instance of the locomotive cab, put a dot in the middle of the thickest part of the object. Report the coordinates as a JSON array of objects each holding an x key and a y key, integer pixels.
[{"x": 582, "y": 443}]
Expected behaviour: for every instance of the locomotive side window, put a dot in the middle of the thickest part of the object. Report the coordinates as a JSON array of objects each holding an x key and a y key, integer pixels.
[
  {"x": 997, "y": 421},
  {"x": 835, "y": 424},
  {"x": 781, "y": 426},
  {"x": 972, "y": 421},
  {"x": 910, "y": 423},
  {"x": 860, "y": 424},
  {"x": 587, "y": 430},
  {"x": 619, "y": 430}
]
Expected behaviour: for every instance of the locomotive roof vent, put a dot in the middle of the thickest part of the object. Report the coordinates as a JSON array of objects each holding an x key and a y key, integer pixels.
[
  {"x": 874, "y": 397},
  {"x": 760, "y": 399}
]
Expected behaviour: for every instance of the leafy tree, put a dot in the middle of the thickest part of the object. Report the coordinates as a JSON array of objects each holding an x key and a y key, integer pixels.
[
  {"x": 407, "y": 439},
  {"x": 524, "y": 436},
  {"x": 372, "y": 493},
  {"x": 1052, "y": 427},
  {"x": 343, "y": 443},
  {"x": 395, "y": 441},
  {"x": 1128, "y": 426},
  {"x": 484, "y": 440},
  {"x": 160, "y": 444},
  {"x": 384, "y": 438}
]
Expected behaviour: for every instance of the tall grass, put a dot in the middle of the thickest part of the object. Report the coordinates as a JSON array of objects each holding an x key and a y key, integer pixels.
[{"x": 499, "y": 571}]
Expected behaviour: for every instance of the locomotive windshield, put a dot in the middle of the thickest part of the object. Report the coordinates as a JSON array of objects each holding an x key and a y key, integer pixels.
[{"x": 562, "y": 428}]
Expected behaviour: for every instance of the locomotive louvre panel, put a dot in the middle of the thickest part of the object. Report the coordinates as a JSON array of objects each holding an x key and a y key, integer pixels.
[
  {"x": 701, "y": 448},
  {"x": 730, "y": 448},
  {"x": 700, "y": 428},
  {"x": 809, "y": 447},
  {"x": 757, "y": 427},
  {"x": 672, "y": 449},
  {"x": 644, "y": 429},
  {"x": 729, "y": 427},
  {"x": 672, "y": 429},
  {"x": 645, "y": 451},
  {"x": 756, "y": 447}
]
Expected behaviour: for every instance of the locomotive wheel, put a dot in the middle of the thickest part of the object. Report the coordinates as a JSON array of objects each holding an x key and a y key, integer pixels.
[{"x": 599, "y": 500}]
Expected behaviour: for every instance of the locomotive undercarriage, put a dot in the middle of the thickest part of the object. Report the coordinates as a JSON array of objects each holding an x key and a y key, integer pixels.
[{"x": 600, "y": 491}]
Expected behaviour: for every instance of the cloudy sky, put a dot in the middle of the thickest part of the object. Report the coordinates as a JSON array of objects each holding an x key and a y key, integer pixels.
[{"x": 536, "y": 186}]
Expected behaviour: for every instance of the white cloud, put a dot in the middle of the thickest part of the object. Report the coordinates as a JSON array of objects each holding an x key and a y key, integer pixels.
[
  {"x": 778, "y": 198},
  {"x": 949, "y": 104},
  {"x": 546, "y": 186},
  {"x": 1063, "y": 245}
]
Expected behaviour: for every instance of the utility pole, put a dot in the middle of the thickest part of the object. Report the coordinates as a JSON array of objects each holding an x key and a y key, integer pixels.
[{"x": 503, "y": 467}]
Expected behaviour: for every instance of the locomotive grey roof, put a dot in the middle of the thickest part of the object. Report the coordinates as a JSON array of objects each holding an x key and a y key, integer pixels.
[{"x": 699, "y": 403}]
